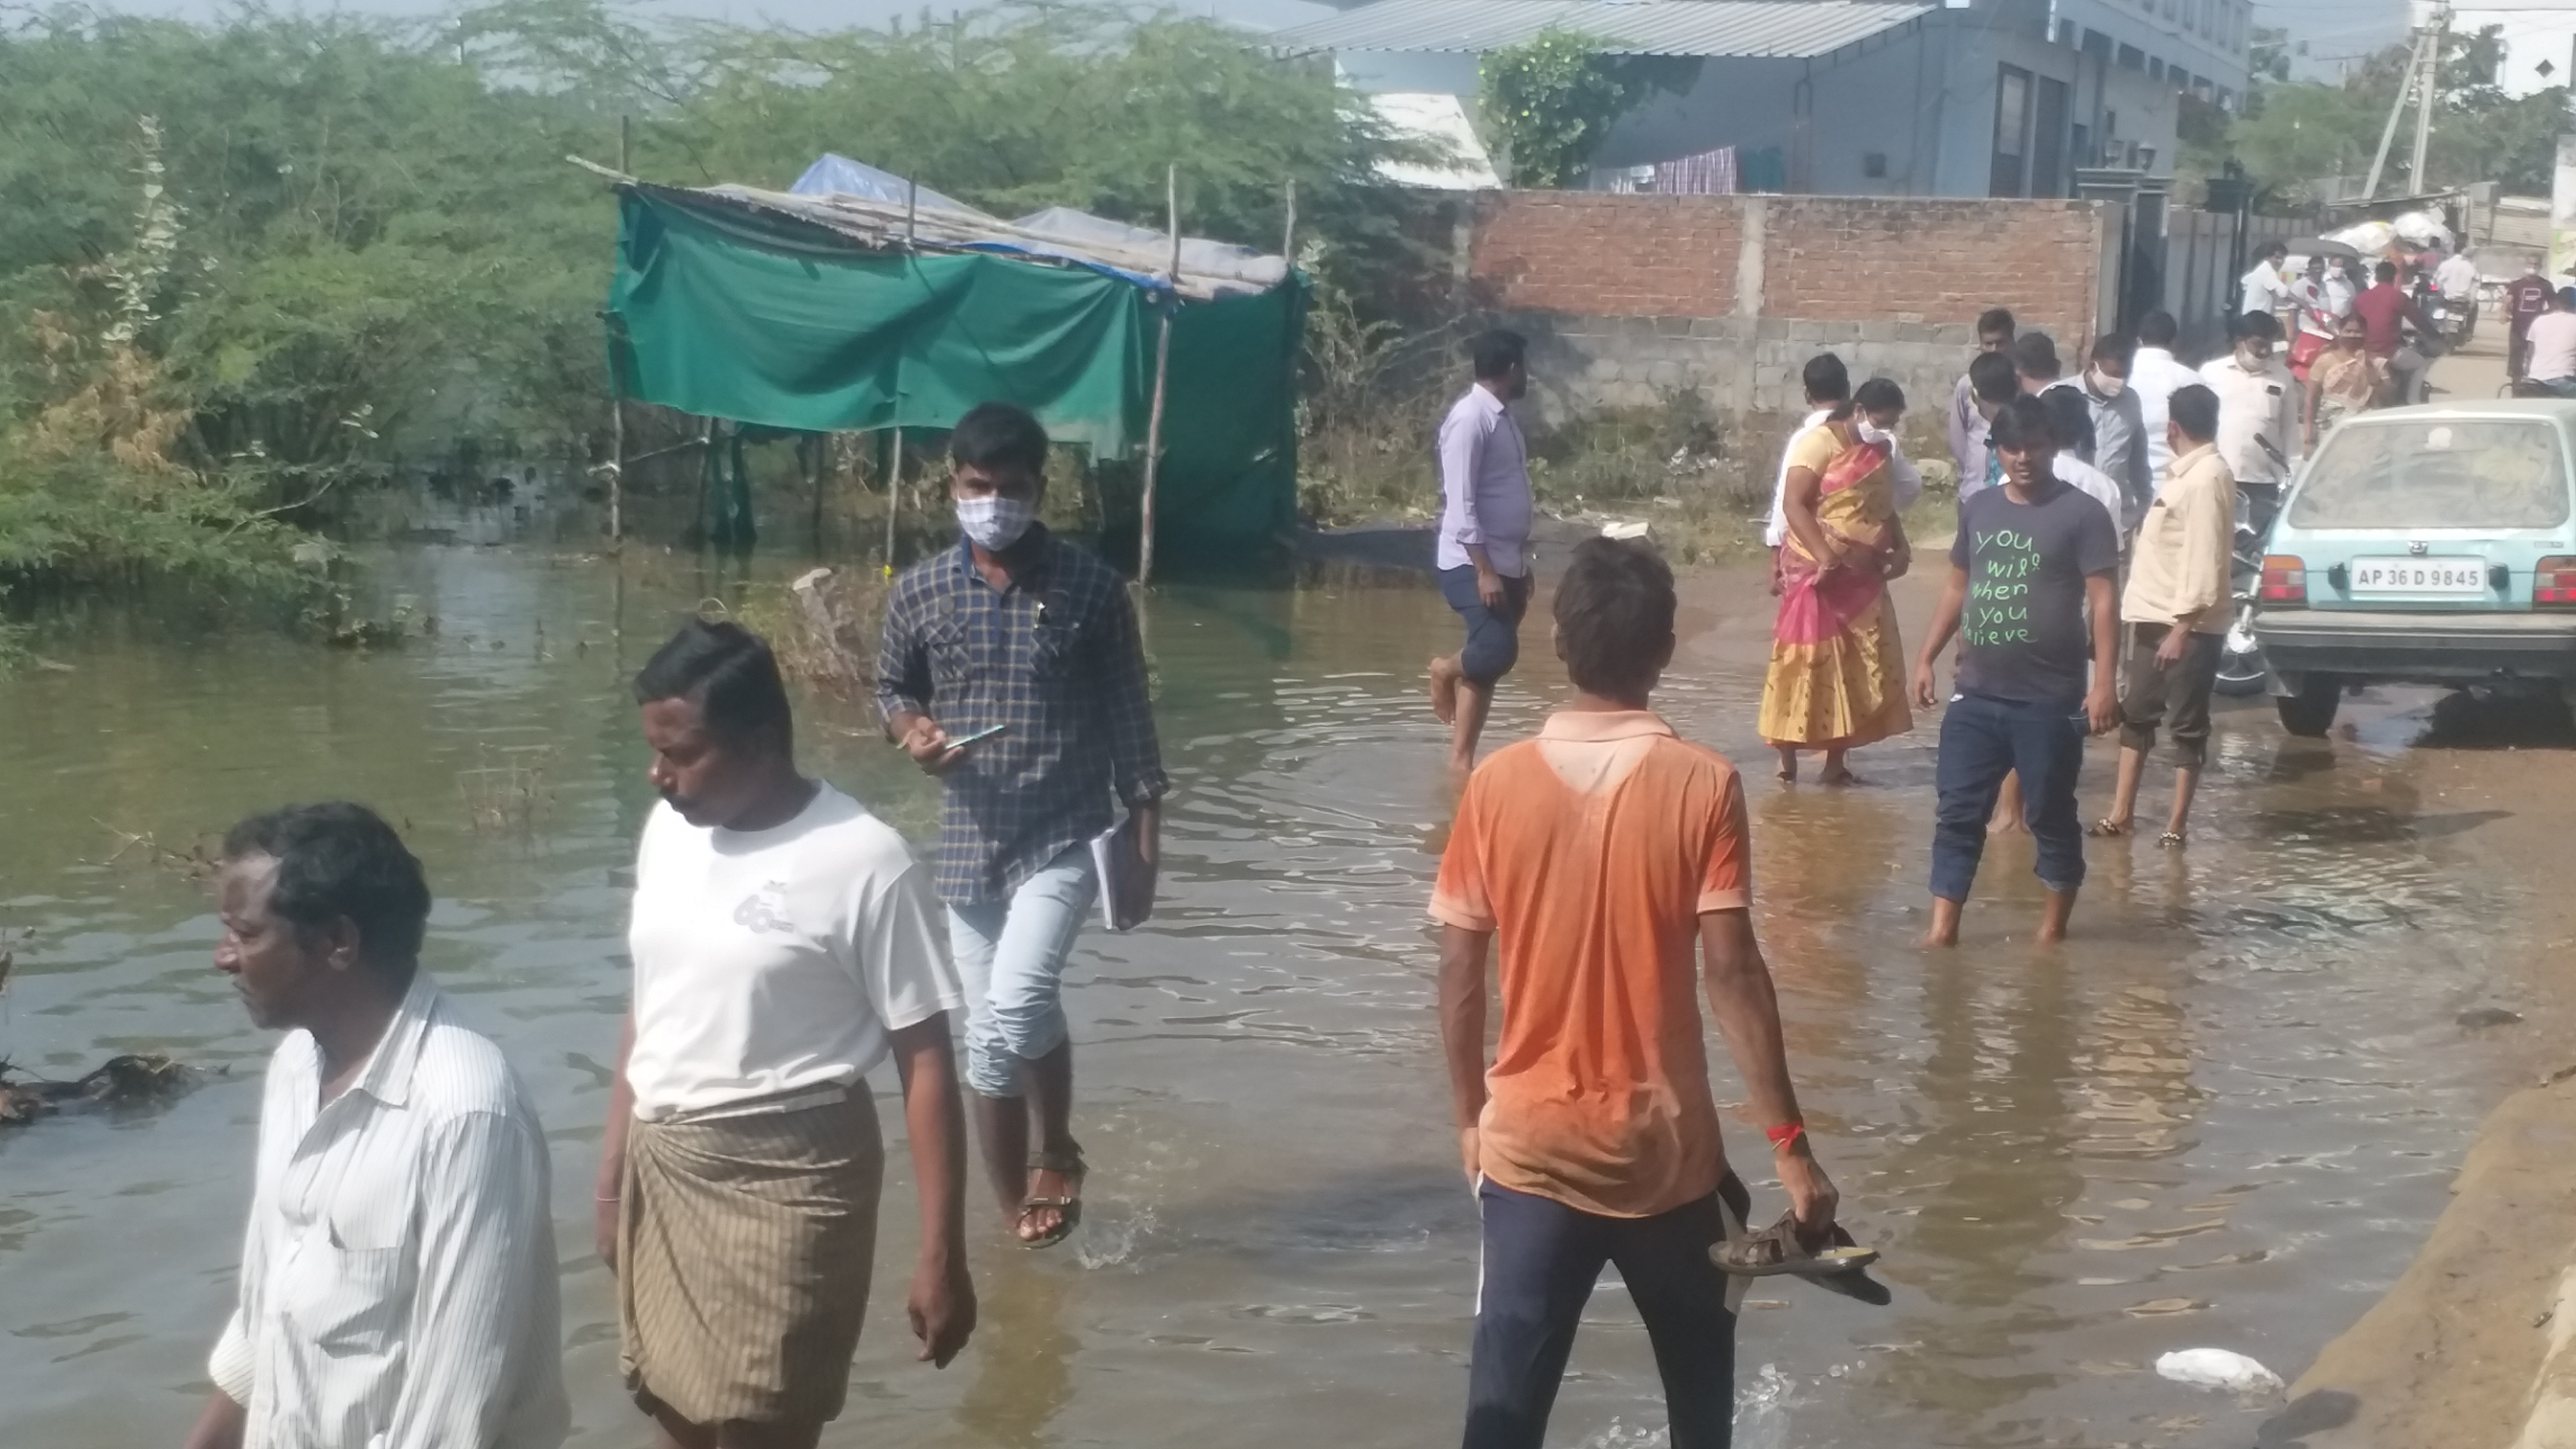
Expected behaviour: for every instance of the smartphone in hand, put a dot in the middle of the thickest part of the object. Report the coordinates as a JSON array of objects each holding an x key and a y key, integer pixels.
[{"x": 962, "y": 741}]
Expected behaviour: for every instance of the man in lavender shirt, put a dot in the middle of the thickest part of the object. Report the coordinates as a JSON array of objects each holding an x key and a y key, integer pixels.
[{"x": 1483, "y": 548}]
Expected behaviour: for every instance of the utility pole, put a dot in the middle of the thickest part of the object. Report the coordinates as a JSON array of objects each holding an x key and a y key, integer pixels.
[{"x": 2420, "y": 83}]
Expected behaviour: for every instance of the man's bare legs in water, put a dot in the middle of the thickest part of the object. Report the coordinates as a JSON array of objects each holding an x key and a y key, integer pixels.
[
  {"x": 2052, "y": 920},
  {"x": 1463, "y": 705}
]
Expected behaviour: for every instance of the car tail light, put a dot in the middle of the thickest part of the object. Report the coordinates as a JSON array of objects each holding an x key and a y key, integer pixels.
[
  {"x": 2553, "y": 582},
  {"x": 2285, "y": 579}
]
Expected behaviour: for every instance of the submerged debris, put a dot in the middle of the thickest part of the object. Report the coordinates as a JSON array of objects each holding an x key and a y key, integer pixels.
[{"x": 122, "y": 1082}]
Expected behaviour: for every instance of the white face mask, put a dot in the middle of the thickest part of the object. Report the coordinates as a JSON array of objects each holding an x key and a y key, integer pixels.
[
  {"x": 1871, "y": 434},
  {"x": 994, "y": 521},
  {"x": 2109, "y": 386}
]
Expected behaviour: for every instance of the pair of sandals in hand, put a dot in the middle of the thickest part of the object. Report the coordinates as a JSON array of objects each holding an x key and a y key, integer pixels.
[{"x": 1842, "y": 1266}]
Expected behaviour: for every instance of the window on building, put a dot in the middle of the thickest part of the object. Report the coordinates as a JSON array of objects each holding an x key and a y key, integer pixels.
[
  {"x": 2010, "y": 175},
  {"x": 2066, "y": 33},
  {"x": 2132, "y": 58},
  {"x": 1873, "y": 164},
  {"x": 2155, "y": 68},
  {"x": 2096, "y": 43},
  {"x": 2048, "y": 140}
]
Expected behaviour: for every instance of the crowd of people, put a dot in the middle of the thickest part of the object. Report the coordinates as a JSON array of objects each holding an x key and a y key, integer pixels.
[{"x": 398, "y": 1269}]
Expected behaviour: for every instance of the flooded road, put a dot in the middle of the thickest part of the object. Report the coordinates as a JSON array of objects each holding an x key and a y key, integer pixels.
[{"x": 2224, "y": 1115}]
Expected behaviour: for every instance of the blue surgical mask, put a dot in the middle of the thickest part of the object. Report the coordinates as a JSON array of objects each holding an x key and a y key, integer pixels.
[{"x": 995, "y": 521}]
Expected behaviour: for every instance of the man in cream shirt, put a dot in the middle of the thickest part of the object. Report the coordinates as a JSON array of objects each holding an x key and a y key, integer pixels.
[
  {"x": 398, "y": 1276},
  {"x": 2177, "y": 607}
]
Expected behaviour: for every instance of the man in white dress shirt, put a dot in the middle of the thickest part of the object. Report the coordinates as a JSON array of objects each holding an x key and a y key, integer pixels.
[
  {"x": 2153, "y": 376},
  {"x": 398, "y": 1276},
  {"x": 1828, "y": 386}
]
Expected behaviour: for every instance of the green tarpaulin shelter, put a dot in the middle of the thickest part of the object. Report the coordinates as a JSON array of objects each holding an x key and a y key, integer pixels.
[{"x": 728, "y": 304}]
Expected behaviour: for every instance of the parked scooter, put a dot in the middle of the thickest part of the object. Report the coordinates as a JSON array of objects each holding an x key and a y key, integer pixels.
[{"x": 2241, "y": 669}]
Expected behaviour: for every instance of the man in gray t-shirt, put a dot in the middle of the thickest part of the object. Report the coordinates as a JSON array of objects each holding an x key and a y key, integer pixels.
[{"x": 2031, "y": 596}]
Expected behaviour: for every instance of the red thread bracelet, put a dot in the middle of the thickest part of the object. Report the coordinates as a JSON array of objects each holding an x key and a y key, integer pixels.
[{"x": 1784, "y": 1134}]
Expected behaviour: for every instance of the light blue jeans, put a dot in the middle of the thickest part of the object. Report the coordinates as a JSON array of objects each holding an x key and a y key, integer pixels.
[{"x": 1010, "y": 958}]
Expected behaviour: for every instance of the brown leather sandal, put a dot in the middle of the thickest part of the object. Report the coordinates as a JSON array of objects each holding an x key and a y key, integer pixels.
[{"x": 1068, "y": 1208}]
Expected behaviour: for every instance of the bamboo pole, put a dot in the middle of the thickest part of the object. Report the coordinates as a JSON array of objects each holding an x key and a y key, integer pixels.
[
  {"x": 1162, "y": 379},
  {"x": 894, "y": 486},
  {"x": 616, "y": 397}
]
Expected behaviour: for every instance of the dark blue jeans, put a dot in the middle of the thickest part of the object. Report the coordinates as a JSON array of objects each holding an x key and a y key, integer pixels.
[
  {"x": 1983, "y": 740},
  {"x": 1493, "y": 635},
  {"x": 1541, "y": 1260}
]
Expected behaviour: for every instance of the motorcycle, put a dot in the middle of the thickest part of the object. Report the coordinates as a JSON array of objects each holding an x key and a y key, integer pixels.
[{"x": 2241, "y": 670}]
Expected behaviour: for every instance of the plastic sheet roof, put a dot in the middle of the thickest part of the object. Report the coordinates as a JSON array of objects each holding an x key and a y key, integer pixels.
[
  {"x": 878, "y": 209},
  {"x": 1747, "y": 29}
]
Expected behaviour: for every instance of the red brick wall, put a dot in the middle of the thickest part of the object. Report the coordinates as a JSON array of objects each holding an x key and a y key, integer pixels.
[
  {"x": 1825, "y": 259},
  {"x": 1850, "y": 259},
  {"x": 1605, "y": 255}
]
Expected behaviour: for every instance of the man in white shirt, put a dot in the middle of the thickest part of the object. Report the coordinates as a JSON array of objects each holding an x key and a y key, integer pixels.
[
  {"x": 1966, "y": 421},
  {"x": 1828, "y": 386},
  {"x": 786, "y": 944},
  {"x": 398, "y": 1275},
  {"x": 2257, "y": 405},
  {"x": 2456, "y": 278},
  {"x": 1482, "y": 552},
  {"x": 2265, "y": 288},
  {"x": 2153, "y": 376},
  {"x": 1992, "y": 383},
  {"x": 2550, "y": 345}
]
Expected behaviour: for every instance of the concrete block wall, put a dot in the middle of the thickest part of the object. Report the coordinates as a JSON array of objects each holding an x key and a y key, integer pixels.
[{"x": 1628, "y": 298}]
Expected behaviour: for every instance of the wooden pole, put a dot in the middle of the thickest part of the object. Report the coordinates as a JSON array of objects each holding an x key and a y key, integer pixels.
[
  {"x": 1288, "y": 229},
  {"x": 616, "y": 398},
  {"x": 894, "y": 492},
  {"x": 1162, "y": 379}
]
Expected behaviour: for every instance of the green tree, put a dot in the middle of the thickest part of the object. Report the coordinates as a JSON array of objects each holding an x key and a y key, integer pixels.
[{"x": 1552, "y": 103}]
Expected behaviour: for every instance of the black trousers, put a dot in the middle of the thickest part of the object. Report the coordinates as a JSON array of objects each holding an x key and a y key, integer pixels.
[
  {"x": 1541, "y": 1260},
  {"x": 2177, "y": 698}
]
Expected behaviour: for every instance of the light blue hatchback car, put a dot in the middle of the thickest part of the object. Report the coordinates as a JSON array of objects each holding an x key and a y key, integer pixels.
[{"x": 2424, "y": 545}]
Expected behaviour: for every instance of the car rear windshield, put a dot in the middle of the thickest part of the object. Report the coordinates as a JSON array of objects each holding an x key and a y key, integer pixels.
[{"x": 2436, "y": 473}]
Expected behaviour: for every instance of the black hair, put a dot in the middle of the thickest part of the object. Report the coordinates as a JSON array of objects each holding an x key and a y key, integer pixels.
[
  {"x": 2158, "y": 329},
  {"x": 2386, "y": 271},
  {"x": 2070, "y": 420},
  {"x": 2034, "y": 354},
  {"x": 2255, "y": 324},
  {"x": 2194, "y": 409},
  {"x": 1614, "y": 616},
  {"x": 2276, "y": 249},
  {"x": 729, "y": 673},
  {"x": 339, "y": 861},
  {"x": 1994, "y": 321},
  {"x": 2117, "y": 347},
  {"x": 1878, "y": 395},
  {"x": 996, "y": 435},
  {"x": 2024, "y": 423},
  {"x": 1498, "y": 352},
  {"x": 1826, "y": 379},
  {"x": 1992, "y": 378}
]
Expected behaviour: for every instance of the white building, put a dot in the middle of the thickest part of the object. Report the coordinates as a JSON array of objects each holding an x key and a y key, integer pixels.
[{"x": 1849, "y": 97}]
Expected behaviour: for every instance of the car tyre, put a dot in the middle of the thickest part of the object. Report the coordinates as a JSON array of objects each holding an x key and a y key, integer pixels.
[{"x": 2310, "y": 712}]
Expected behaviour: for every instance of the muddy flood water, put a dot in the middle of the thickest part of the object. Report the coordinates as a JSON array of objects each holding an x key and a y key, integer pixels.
[{"x": 2224, "y": 1115}]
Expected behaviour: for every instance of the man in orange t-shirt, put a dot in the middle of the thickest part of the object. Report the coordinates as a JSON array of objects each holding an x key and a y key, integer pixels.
[{"x": 1605, "y": 854}]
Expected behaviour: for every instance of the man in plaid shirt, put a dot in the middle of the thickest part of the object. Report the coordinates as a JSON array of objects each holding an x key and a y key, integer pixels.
[{"x": 1012, "y": 671}]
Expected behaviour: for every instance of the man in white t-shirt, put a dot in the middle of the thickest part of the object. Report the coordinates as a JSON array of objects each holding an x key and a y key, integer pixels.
[
  {"x": 785, "y": 945},
  {"x": 2457, "y": 280}
]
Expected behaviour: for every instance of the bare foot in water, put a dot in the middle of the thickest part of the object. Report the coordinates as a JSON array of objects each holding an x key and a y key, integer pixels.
[
  {"x": 1836, "y": 772},
  {"x": 1945, "y": 925},
  {"x": 1444, "y": 689}
]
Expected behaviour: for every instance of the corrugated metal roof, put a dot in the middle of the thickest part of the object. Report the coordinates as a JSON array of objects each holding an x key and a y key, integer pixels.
[{"x": 1794, "y": 29}]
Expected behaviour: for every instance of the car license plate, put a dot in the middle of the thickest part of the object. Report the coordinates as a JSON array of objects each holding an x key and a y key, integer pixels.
[{"x": 2419, "y": 576}]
